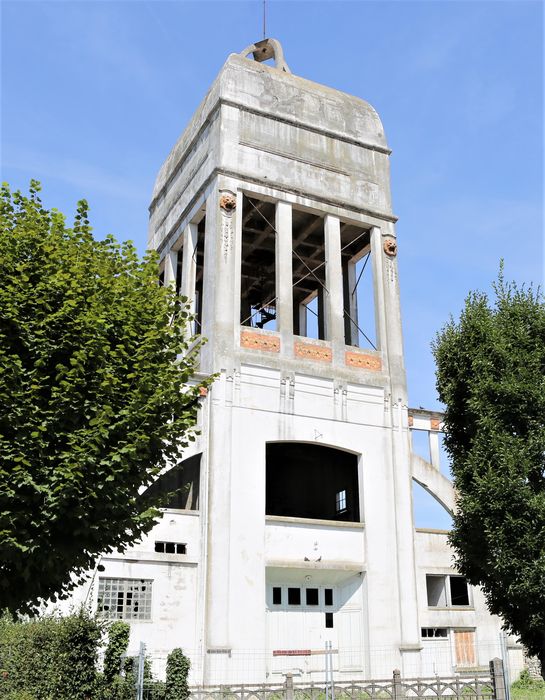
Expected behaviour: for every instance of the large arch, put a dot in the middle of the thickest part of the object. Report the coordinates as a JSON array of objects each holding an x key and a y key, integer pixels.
[
  {"x": 307, "y": 480},
  {"x": 434, "y": 482}
]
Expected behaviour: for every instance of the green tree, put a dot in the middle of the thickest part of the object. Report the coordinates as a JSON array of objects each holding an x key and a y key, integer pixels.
[
  {"x": 491, "y": 377},
  {"x": 97, "y": 396},
  {"x": 178, "y": 666}
]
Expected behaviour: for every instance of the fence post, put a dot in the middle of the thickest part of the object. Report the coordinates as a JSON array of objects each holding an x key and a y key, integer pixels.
[
  {"x": 288, "y": 686},
  {"x": 498, "y": 679},
  {"x": 398, "y": 691},
  {"x": 140, "y": 672}
]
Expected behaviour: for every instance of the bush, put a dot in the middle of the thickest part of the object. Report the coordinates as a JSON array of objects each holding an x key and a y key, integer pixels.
[
  {"x": 118, "y": 641},
  {"x": 178, "y": 666},
  {"x": 49, "y": 657}
]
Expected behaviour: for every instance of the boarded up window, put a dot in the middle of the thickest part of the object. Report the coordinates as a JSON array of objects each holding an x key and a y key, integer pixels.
[{"x": 464, "y": 644}]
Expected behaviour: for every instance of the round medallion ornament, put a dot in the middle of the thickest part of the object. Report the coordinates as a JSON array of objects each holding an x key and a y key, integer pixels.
[
  {"x": 390, "y": 247},
  {"x": 228, "y": 203}
]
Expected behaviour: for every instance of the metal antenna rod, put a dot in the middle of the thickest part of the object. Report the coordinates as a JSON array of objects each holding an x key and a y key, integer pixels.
[{"x": 264, "y": 19}]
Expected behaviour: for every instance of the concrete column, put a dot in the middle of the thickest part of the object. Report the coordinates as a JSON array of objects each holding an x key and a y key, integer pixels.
[
  {"x": 171, "y": 267},
  {"x": 284, "y": 274},
  {"x": 334, "y": 283},
  {"x": 390, "y": 341},
  {"x": 378, "y": 289},
  {"x": 433, "y": 438}
]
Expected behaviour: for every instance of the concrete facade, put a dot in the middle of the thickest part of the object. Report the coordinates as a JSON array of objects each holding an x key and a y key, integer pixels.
[{"x": 278, "y": 183}]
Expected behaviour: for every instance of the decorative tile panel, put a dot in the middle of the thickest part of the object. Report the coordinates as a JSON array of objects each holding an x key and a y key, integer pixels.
[
  {"x": 435, "y": 424},
  {"x": 259, "y": 341},
  {"x": 363, "y": 361},
  {"x": 411, "y": 421},
  {"x": 309, "y": 351}
]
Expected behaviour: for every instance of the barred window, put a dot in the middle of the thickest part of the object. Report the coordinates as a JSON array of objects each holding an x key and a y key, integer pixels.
[{"x": 124, "y": 598}]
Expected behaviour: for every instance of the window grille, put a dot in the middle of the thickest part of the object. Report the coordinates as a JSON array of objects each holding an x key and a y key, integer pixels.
[{"x": 124, "y": 598}]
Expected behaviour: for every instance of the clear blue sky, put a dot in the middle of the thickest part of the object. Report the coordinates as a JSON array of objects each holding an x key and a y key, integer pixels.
[{"x": 95, "y": 93}]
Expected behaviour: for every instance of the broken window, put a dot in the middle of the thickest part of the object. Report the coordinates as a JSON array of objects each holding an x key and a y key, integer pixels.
[
  {"x": 358, "y": 292},
  {"x": 171, "y": 547},
  {"x": 303, "y": 481},
  {"x": 124, "y": 598},
  {"x": 180, "y": 485},
  {"x": 308, "y": 267},
  {"x": 329, "y": 619},
  {"x": 258, "y": 266},
  {"x": 447, "y": 591},
  {"x": 277, "y": 595},
  {"x": 434, "y": 632}
]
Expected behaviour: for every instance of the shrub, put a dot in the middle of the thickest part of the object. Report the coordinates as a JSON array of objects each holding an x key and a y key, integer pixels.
[{"x": 178, "y": 666}]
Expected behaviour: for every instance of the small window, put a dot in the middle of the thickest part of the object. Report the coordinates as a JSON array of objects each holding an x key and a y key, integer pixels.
[
  {"x": 328, "y": 595},
  {"x": 277, "y": 595},
  {"x": 171, "y": 547},
  {"x": 329, "y": 620},
  {"x": 294, "y": 596},
  {"x": 312, "y": 596},
  {"x": 340, "y": 501},
  {"x": 434, "y": 632}
]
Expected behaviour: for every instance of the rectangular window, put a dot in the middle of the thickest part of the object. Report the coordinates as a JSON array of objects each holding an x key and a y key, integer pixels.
[
  {"x": 277, "y": 595},
  {"x": 447, "y": 591},
  {"x": 199, "y": 274},
  {"x": 459, "y": 594},
  {"x": 340, "y": 501},
  {"x": 124, "y": 598},
  {"x": 329, "y": 620},
  {"x": 258, "y": 265},
  {"x": 171, "y": 547},
  {"x": 308, "y": 266},
  {"x": 358, "y": 292},
  {"x": 294, "y": 596},
  {"x": 328, "y": 596},
  {"x": 434, "y": 632},
  {"x": 312, "y": 596}
]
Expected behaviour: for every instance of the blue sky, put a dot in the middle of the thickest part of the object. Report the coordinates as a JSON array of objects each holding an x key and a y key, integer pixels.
[{"x": 95, "y": 93}]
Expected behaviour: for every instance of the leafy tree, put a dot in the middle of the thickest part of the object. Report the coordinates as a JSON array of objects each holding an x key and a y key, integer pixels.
[
  {"x": 491, "y": 377},
  {"x": 178, "y": 666},
  {"x": 118, "y": 641},
  {"x": 97, "y": 395}
]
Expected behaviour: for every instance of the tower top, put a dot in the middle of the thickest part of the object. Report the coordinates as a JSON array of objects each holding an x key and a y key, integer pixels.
[{"x": 265, "y": 49}]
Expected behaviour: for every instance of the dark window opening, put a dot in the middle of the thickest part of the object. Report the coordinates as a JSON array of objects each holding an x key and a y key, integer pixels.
[
  {"x": 277, "y": 595},
  {"x": 199, "y": 274},
  {"x": 434, "y": 632},
  {"x": 162, "y": 278},
  {"x": 328, "y": 595},
  {"x": 312, "y": 596},
  {"x": 294, "y": 596},
  {"x": 180, "y": 485},
  {"x": 304, "y": 480},
  {"x": 179, "y": 268},
  {"x": 329, "y": 620},
  {"x": 459, "y": 594},
  {"x": 308, "y": 265},
  {"x": 171, "y": 547},
  {"x": 358, "y": 292},
  {"x": 258, "y": 266}
]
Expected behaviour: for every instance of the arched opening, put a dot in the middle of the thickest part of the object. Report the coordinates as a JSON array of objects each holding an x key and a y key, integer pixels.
[
  {"x": 311, "y": 481},
  {"x": 181, "y": 483}
]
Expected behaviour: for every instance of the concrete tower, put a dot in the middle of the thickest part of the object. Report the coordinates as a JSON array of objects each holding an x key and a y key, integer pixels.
[{"x": 272, "y": 215}]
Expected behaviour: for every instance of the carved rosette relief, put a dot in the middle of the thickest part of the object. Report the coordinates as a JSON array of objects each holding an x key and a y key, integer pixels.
[
  {"x": 259, "y": 341},
  {"x": 363, "y": 361},
  {"x": 310, "y": 351},
  {"x": 228, "y": 204}
]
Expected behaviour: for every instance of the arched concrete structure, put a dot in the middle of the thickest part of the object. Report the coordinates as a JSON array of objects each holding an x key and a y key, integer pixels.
[{"x": 434, "y": 482}]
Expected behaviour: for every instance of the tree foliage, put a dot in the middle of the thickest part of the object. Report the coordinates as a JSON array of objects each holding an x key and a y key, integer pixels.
[
  {"x": 491, "y": 377},
  {"x": 96, "y": 395},
  {"x": 178, "y": 666}
]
